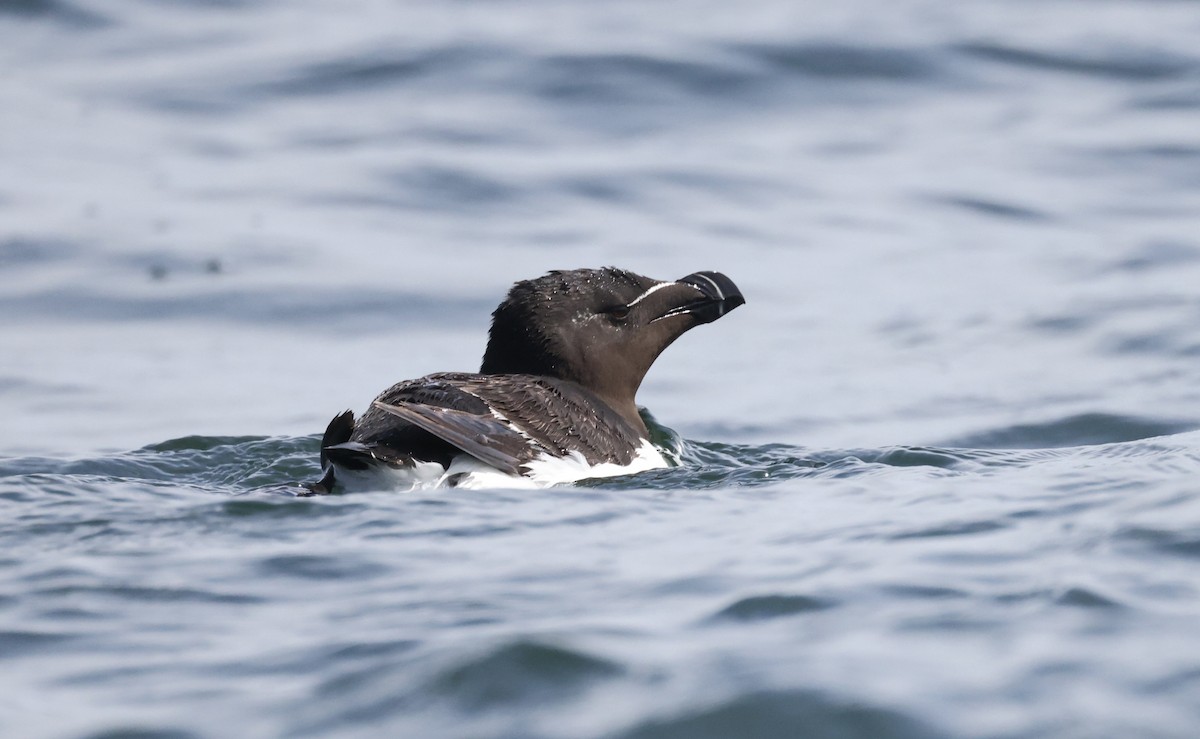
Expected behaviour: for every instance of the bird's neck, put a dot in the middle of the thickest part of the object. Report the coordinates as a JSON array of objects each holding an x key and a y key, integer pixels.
[{"x": 627, "y": 409}]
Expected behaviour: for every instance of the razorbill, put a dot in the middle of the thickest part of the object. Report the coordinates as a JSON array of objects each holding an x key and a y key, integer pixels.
[{"x": 553, "y": 400}]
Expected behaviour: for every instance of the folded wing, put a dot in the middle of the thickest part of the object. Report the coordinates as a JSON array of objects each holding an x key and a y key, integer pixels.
[{"x": 505, "y": 421}]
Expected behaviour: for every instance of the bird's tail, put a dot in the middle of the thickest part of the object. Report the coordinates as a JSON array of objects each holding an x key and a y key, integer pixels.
[{"x": 336, "y": 433}]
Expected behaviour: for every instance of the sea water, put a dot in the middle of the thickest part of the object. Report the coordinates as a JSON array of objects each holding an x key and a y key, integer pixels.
[{"x": 940, "y": 475}]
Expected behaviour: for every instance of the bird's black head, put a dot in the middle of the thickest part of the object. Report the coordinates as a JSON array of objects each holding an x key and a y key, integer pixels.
[{"x": 602, "y": 328}]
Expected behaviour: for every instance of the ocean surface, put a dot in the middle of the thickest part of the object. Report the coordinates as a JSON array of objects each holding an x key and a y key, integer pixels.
[{"x": 941, "y": 473}]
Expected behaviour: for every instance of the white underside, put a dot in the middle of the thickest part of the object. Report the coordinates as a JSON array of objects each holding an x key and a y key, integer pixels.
[{"x": 468, "y": 472}]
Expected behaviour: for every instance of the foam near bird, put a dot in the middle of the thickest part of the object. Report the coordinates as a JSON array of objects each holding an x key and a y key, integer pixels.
[{"x": 553, "y": 401}]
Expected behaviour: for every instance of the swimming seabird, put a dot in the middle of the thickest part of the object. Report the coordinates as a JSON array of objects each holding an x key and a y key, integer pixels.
[{"x": 554, "y": 399}]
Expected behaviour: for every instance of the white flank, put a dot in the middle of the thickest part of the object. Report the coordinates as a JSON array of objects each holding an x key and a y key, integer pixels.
[
  {"x": 549, "y": 470},
  {"x": 382, "y": 477},
  {"x": 468, "y": 472}
]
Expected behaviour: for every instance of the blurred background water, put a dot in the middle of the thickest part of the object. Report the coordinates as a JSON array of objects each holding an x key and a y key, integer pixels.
[{"x": 941, "y": 470}]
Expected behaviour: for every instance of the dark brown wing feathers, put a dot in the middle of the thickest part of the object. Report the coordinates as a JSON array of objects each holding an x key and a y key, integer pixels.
[{"x": 505, "y": 421}]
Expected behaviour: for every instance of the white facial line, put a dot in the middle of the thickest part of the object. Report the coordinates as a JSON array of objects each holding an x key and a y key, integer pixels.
[
  {"x": 648, "y": 293},
  {"x": 682, "y": 311}
]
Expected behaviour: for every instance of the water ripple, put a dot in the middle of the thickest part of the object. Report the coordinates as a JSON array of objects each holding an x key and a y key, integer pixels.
[
  {"x": 1174, "y": 543},
  {"x": 765, "y": 607},
  {"x": 521, "y": 672},
  {"x": 362, "y": 311},
  {"x": 1078, "y": 430},
  {"x": 845, "y": 62},
  {"x": 20, "y": 643},
  {"x": 768, "y": 715},
  {"x": 363, "y": 72},
  {"x": 1130, "y": 66},
  {"x": 142, "y": 732},
  {"x": 67, "y": 13},
  {"x": 996, "y": 208},
  {"x": 271, "y": 467},
  {"x": 1087, "y": 598},
  {"x": 616, "y": 78}
]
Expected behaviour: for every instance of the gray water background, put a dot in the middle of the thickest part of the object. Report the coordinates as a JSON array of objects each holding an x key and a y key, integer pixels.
[{"x": 941, "y": 469}]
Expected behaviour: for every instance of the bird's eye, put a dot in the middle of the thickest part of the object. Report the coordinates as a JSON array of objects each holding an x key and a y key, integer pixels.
[{"x": 618, "y": 313}]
